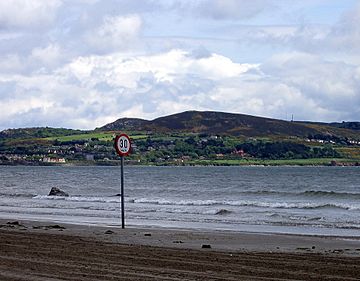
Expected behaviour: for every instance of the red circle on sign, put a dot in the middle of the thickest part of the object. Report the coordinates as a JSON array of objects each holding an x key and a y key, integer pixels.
[{"x": 122, "y": 145}]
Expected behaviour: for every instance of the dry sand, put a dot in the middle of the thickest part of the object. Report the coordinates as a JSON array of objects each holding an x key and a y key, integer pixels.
[{"x": 46, "y": 251}]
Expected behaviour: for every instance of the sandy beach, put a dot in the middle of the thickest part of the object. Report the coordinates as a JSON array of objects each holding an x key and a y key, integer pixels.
[{"x": 48, "y": 251}]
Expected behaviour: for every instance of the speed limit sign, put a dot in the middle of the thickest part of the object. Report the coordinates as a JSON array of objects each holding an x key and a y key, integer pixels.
[
  {"x": 123, "y": 145},
  {"x": 123, "y": 148}
]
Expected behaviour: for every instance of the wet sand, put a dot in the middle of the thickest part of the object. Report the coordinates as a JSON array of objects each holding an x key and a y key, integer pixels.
[{"x": 48, "y": 251}]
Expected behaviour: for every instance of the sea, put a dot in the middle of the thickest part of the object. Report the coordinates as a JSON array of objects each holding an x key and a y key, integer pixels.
[{"x": 298, "y": 200}]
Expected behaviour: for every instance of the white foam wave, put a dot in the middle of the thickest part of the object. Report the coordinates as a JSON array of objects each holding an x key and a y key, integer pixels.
[
  {"x": 79, "y": 198},
  {"x": 236, "y": 203},
  {"x": 277, "y": 205}
]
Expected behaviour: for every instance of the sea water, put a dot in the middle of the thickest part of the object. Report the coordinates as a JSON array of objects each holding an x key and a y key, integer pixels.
[{"x": 303, "y": 200}]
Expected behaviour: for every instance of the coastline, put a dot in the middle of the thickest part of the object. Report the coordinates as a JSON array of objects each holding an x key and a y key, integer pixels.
[
  {"x": 47, "y": 251},
  {"x": 311, "y": 162}
]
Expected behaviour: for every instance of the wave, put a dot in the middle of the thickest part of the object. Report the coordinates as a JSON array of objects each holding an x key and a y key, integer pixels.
[
  {"x": 238, "y": 203},
  {"x": 16, "y": 195},
  {"x": 78, "y": 199},
  {"x": 215, "y": 211},
  {"x": 280, "y": 205},
  {"x": 223, "y": 212},
  {"x": 308, "y": 193},
  {"x": 333, "y": 194}
]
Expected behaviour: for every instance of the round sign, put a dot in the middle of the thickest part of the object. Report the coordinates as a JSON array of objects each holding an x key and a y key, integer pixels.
[{"x": 123, "y": 145}]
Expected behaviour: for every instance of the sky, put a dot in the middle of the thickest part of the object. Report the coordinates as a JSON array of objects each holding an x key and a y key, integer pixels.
[{"x": 84, "y": 63}]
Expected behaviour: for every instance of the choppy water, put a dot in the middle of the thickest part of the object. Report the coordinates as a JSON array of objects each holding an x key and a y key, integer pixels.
[{"x": 313, "y": 200}]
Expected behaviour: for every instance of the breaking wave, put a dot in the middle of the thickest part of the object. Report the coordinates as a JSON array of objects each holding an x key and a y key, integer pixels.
[
  {"x": 239, "y": 203},
  {"x": 309, "y": 193},
  {"x": 281, "y": 205}
]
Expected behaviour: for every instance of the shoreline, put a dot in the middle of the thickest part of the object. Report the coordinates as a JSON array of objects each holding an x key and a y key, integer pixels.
[
  {"x": 265, "y": 164},
  {"x": 191, "y": 238},
  {"x": 33, "y": 250},
  {"x": 198, "y": 227}
]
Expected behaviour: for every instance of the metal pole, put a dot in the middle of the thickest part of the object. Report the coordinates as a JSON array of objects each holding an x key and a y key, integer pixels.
[{"x": 122, "y": 194}]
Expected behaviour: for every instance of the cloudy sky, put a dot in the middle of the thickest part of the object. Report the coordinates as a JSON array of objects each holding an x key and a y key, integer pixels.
[{"x": 84, "y": 63}]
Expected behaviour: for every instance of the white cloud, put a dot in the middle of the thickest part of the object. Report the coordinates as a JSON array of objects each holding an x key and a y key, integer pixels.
[
  {"x": 94, "y": 61},
  {"x": 94, "y": 89},
  {"x": 117, "y": 33},
  {"x": 25, "y": 13},
  {"x": 10, "y": 64},
  {"x": 47, "y": 56}
]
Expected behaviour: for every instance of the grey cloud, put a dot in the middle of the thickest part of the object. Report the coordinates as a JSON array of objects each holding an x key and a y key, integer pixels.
[
  {"x": 345, "y": 34},
  {"x": 232, "y": 9},
  {"x": 342, "y": 38},
  {"x": 333, "y": 86},
  {"x": 200, "y": 53}
]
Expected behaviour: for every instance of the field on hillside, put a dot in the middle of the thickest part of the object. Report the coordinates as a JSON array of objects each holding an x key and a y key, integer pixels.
[{"x": 101, "y": 136}]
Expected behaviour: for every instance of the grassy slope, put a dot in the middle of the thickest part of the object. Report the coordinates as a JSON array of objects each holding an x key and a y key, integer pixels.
[{"x": 290, "y": 162}]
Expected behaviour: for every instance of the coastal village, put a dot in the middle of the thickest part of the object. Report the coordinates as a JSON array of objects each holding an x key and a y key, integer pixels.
[{"x": 173, "y": 149}]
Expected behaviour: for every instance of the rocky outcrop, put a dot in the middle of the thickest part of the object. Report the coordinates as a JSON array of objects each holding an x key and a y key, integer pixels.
[{"x": 57, "y": 192}]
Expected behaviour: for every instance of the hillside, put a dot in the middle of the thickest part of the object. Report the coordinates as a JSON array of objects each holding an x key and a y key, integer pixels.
[
  {"x": 205, "y": 122},
  {"x": 189, "y": 138},
  {"x": 38, "y": 132},
  {"x": 228, "y": 124}
]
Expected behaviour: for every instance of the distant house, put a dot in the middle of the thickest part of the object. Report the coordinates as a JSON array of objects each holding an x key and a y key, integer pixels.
[
  {"x": 53, "y": 160},
  {"x": 239, "y": 152},
  {"x": 89, "y": 157}
]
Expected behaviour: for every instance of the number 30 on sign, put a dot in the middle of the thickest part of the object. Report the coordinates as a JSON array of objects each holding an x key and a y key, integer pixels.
[{"x": 123, "y": 145}]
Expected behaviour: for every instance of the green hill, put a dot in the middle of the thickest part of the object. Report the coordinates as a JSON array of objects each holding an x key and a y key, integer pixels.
[
  {"x": 38, "y": 132},
  {"x": 221, "y": 123}
]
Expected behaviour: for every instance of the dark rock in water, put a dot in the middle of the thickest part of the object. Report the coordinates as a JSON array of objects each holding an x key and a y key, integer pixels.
[
  {"x": 206, "y": 246},
  {"x": 147, "y": 234},
  {"x": 13, "y": 223},
  {"x": 57, "y": 192},
  {"x": 109, "y": 232},
  {"x": 223, "y": 212}
]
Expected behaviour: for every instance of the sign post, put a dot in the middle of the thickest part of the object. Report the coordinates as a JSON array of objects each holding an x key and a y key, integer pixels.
[{"x": 122, "y": 147}]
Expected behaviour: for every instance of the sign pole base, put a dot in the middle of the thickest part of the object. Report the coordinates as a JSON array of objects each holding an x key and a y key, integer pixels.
[{"x": 122, "y": 194}]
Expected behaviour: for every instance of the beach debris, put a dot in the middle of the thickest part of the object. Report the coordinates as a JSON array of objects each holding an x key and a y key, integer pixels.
[
  {"x": 206, "y": 246},
  {"x": 222, "y": 212},
  {"x": 55, "y": 226},
  {"x": 55, "y": 191},
  {"x": 303, "y": 248},
  {"x": 109, "y": 232},
  {"x": 46, "y": 227},
  {"x": 13, "y": 224},
  {"x": 337, "y": 251},
  {"x": 147, "y": 234}
]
